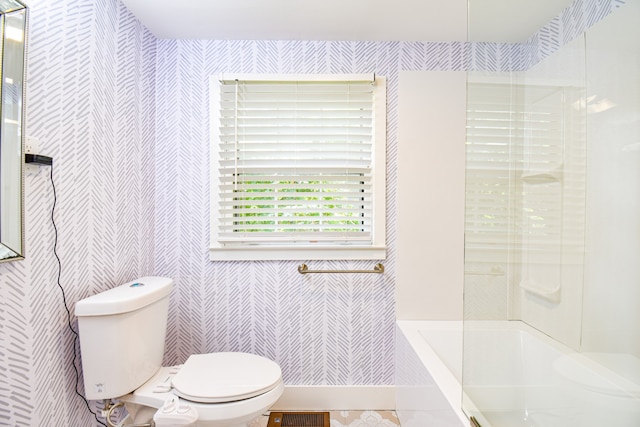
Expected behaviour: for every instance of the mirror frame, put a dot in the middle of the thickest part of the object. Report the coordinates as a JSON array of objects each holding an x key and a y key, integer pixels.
[{"x": 7, "y": 7}]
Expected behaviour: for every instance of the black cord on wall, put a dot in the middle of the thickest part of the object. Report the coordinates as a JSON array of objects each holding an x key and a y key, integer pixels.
[{"x": 64, "y": 299}]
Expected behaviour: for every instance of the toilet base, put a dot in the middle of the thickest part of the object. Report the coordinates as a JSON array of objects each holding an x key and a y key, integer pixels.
[
  {"x": 143, "y": 418},
  {"x": 129, "y": 420}
]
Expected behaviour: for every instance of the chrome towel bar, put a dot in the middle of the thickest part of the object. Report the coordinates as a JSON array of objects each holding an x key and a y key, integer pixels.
[{"x": 304, "y": 269}]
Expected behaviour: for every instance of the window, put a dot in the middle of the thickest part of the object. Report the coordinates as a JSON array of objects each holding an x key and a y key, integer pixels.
[{"x": 298, "y": 167}]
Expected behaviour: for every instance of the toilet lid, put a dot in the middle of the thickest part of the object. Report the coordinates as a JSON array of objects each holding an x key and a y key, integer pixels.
[{"x": 225, "y": 377}]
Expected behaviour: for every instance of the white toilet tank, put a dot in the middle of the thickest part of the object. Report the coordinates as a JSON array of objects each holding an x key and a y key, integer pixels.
[{"x": 122, "y": 334}]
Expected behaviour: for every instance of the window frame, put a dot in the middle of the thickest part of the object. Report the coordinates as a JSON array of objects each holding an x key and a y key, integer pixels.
[{"x": 255, "y": 251}]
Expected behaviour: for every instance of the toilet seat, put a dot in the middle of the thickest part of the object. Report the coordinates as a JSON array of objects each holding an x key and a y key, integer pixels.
[
  {"x": 225, "y": 377},
  {"x": 143, "y": 403}
]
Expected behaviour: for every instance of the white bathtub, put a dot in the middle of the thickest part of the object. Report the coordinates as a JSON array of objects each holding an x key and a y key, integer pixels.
[
  {"x": 516, "y": 375},
  {"x": 428, "y": 392}
]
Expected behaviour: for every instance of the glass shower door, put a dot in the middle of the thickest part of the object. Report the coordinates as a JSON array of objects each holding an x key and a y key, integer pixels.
[{"x": 552, "y": 235}]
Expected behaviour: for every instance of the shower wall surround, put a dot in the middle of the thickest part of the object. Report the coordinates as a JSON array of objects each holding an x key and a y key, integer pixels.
[{"x": 125, "y": 117}]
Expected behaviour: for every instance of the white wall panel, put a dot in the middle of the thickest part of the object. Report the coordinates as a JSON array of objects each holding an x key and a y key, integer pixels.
[{"x": 431, "y": 176}]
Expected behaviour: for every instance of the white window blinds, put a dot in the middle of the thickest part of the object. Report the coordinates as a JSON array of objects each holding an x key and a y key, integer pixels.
[{"x": 295, "y": 161}]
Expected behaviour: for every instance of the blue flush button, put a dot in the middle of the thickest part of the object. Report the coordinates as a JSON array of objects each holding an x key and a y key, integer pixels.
[{"x": 136, "y": 285}]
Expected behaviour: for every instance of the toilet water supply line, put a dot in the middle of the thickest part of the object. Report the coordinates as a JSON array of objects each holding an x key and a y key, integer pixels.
[
  {"x": 64, "y": 297},
  {"x": 107, "y": 412}
]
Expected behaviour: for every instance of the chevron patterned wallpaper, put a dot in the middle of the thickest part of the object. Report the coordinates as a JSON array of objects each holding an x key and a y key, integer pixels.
[
  {"x": 573, "y": 21},
  {"x": 125, "y": 117},
  {"x": 90, "y": 105}
]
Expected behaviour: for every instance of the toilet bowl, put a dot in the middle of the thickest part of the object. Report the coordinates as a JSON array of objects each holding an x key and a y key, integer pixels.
[
  {"x": 122, "y": 333},
  {"x": 222, "y": 389}
]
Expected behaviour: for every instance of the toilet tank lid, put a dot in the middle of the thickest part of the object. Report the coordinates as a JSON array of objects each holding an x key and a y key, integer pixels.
[{"x": 125, "y": 298}]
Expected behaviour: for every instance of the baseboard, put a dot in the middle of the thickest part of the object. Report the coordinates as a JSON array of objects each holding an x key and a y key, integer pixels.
[{"x": 336, "y": 398}]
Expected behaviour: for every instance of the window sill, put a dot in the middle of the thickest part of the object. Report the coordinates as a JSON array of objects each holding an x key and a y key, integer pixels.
[{"x": 298, "y": 253}]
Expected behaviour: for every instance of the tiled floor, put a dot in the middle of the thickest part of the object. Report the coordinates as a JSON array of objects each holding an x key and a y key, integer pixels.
[{"x": 351, "y": 419}]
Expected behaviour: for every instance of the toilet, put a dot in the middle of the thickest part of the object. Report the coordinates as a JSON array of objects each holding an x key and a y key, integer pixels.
[{"x": 122, "y": 337}]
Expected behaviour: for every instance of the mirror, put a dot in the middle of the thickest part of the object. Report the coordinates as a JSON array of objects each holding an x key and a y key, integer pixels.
[{"x": 13, "y": 25}]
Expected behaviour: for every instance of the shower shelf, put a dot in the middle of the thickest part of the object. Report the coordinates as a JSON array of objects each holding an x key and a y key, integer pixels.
[
  {"x": 543, "y": 176},
  {"x": 536, "y": 289}
]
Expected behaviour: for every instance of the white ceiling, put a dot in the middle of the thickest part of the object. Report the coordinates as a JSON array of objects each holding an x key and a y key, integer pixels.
[
  {"x": 398, "y": 20},
  {"x": 510, "y": 20}
]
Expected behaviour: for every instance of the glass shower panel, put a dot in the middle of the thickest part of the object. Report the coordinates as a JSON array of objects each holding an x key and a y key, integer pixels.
[
  {"x": 552, "y": 234},
  {"x": 523, "y": 239}
]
